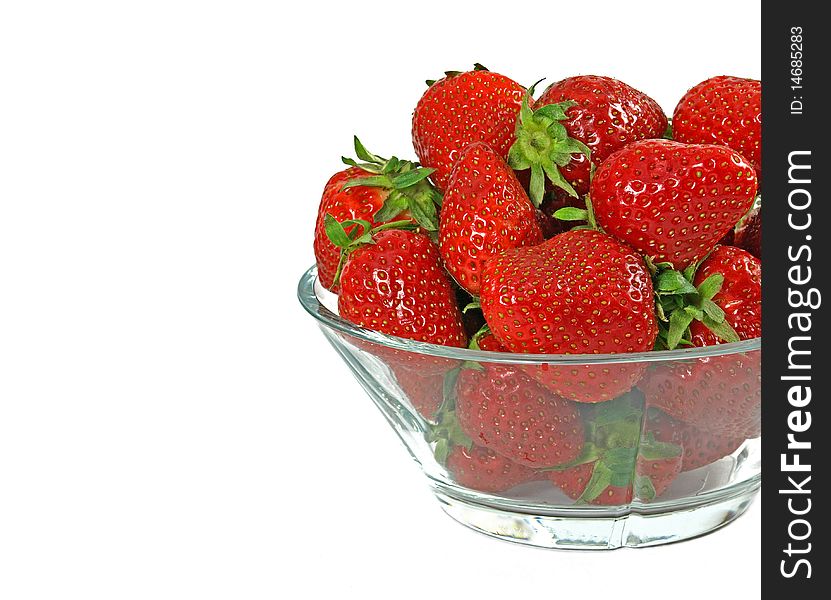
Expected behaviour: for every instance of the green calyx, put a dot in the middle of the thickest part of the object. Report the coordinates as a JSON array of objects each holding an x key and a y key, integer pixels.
[
  {"x": 614, "y": 444},
  {"x": 407, "y": 181},
  {"x": 351, "y": 234},
  {"x": 678, "y": 303},
  {"x": 543, "y": 145},
  {"x": 574, "y": 214},
  {"x": 446, "y": 432},
  {"x": 449, "y": 74}
]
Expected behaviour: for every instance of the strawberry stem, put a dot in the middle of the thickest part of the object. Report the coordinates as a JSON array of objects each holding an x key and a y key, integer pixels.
[
  {"x": 678, "y": 303},
  {"x": 407, "y": 181},
  {"x": 543, "y": 145}
]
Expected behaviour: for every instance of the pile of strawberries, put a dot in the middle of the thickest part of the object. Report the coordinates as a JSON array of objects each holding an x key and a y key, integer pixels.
[{"x": 580, "y": 222}]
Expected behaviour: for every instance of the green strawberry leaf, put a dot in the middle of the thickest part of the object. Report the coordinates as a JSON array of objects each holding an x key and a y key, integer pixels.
[
  {"x": 381, "y": 181},
  {"x": 517, "y": 160},
  {"x": 570, "y": 213},
  {"x": 601, "y": 479},
  {"x": 555, "y": 112},
  {"x": 335, "y": 231},
  {"x": 405, "y": 180},
  {"x": 673, "y": 282},
  {"x": 652, "y": 449},
  {"x": 711, "y": 286},
  {"x": 537, "y": 187},
  {"x": 364, "y": 154},
  {"x": 679, "y": 322},
  {"x": 644, "y": 488},
  {"x": 723, "y": 330},
  {"x": 712, "y": 310},
  {"x": 474, "y": 304},
  {"x": 590, "y": 453},
  {"x": 424, "y": 213},
  {"x": 370, "y": 168},
  {"x": 554, "y": 176},
  {"x": 394, "y": 205}
]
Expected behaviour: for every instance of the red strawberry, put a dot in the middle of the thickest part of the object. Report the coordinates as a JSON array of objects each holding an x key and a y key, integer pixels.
[
  {"x": 720, "y": 395},
  {"x": 740, "y": 296},
  {"x": 363, "y": 190},
  {"x": 574, "y": 481},
  {"x": 397, "y": 286},
  {"x": 581, "y": 292},
  {"x": 501, "y": 408},
  {"x": 619, "y": 458},
  {"x": 484, "y": 470},
  {"x": 700, "y": 448},
  {"x": 422, "y": 383},
  {"x": 485, "y": 211},
  {"x": 476, "y": 106},
  {"x": 726, "y": 111},
  {"x": 671, "y": 201},
  {"x": 749, "y": 234},
  {"x": 600, "y": 113},
  {"x": 653, "y": 475},
  {"x": 489, "y": 343}
]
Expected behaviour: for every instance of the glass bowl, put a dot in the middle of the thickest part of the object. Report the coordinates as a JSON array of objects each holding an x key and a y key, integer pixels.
[{"x": 675, "y": 457}]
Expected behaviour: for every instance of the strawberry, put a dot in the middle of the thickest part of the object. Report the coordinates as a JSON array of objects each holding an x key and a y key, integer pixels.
[
  {"x": 396, "y": 285},
  {"x": 618, "y": 458},
  {"x": 720, "y": 395},
  {"x": 740, "y": 296},
  {"x": 422, "y": 384},
  {"x": 378, "y": 191},
  {"x": 485, "y": 211},
  {"x": 749, "y": 233},
  {"x": 700, "y": 447},
  {"x": 501, "y": 408},
  {"x": 575, "y": 480},
  {"x": 461, "y": 108},
  {"x": 670, "y": 201},
  {"x": 579, "y": 121},
  {"x": 489, "y": 343},
  {"x": 581, "y": 292},
  {"x": 484, "y": 470},
  {"x": 726, "y": 111}
]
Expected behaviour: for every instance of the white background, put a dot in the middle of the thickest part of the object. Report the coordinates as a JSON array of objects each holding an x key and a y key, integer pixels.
[{"x": 172, "y": 425}]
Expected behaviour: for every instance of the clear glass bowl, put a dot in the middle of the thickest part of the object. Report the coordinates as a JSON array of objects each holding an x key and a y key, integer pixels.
[{"x": 673, "y": 479}]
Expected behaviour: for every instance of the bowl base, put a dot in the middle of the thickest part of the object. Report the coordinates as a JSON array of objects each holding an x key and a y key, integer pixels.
[{"x": 606, "y": 529}]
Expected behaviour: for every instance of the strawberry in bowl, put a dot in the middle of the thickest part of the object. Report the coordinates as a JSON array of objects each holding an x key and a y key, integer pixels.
[{"x": 557, "y": 306}]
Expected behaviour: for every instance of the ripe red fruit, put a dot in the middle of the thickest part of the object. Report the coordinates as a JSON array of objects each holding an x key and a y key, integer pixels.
[
  {"x": 581, "y": 292},
  {"x": 422, "y": 382},
  {"x": 378, "y": 191},
  {"x": 489, "y": 343},
  {"x": 720, "y": 395},
  {"x": 700, "y": 448},
  {"x": 352, "y": 203},
  {"x": 672, "y": 201},
  {"x": 397, "y": 286},
  {"x": 602, "y": 113},
  {"x": 501, "y": 408},
  {"x": 476, "y": 106},
  {"x": 573, "y": 482},
  {"x": 484, "y": 470},
  {"x": 740, "y": 296},
  {"x": 726, "y": 111},
  {"x": 485, "y": 211}
]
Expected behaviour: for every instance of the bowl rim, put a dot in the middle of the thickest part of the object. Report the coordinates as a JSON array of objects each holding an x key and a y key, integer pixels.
[{"x": 308, "y": 298}]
